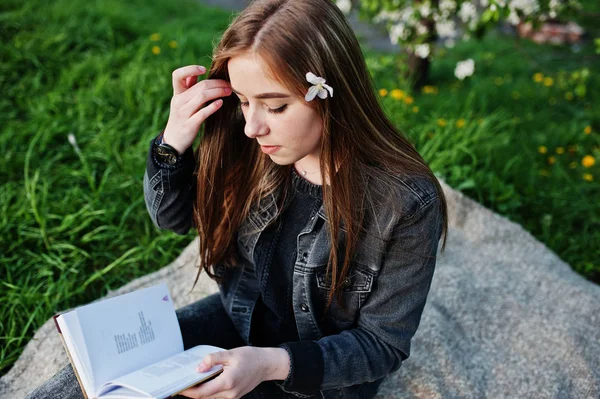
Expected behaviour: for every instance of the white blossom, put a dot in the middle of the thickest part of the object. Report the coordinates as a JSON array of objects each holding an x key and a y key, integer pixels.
[
  {"x": 446, "y": 28},
  {"x": 425, "y": 9},
  {"x": 422, "y": 29},
  {"x": 344, "y": 5},
  {"x": 527, "y": 7},
  {"x": 447, "y": 6},
  {"x": 422, "y": 50},
  {"x": 467, "y": 11},
  {"x": 398, "y": 31},
  {"x": 484, "y": 3},
  {"x": 318, "y": 88},
  {"x": 464, "y": 68}
]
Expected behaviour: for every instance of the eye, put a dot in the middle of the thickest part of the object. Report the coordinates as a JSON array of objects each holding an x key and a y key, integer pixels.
[{"x": 272, "y": 111}]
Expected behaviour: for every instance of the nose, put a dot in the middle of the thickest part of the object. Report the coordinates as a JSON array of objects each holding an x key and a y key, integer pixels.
[{"x": 255, "y": 125}]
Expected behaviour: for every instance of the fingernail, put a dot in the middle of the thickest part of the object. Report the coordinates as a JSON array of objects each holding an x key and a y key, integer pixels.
[{"x": 202, "y": 68}]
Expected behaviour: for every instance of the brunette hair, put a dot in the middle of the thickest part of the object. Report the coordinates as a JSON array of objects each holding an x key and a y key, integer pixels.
[{"x": 359, "y": 143}]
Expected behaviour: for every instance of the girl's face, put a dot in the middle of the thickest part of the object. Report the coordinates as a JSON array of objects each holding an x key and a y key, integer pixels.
[{"x": 286, "y": 127}]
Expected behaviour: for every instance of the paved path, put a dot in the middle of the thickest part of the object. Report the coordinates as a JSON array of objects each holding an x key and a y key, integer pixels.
[{"x": 375, "y": 38}]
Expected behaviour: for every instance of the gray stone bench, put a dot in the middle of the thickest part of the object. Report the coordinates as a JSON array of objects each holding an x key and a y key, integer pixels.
[{"x": 505, "y": 318}]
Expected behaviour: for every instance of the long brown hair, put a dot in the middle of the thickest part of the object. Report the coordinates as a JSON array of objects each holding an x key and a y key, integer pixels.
[{"x": 294, "y": 37}]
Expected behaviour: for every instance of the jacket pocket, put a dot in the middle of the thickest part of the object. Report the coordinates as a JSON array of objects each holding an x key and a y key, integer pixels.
[{"x": 355, "y": 290}]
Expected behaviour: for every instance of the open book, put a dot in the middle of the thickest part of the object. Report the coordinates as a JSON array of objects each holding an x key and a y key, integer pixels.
[{"x": 130, "y": 346}]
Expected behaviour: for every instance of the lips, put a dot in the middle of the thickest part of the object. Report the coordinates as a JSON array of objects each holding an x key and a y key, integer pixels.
[{"x": 269, "y": 149}]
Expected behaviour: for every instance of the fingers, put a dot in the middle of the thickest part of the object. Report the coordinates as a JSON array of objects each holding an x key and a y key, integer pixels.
[
  {"x": 211, "y": 360},
  {"x": 181, "y": 76}
]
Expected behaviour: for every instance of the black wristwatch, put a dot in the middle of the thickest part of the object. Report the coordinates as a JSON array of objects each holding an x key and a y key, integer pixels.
[{"x": 165, "y": 153}]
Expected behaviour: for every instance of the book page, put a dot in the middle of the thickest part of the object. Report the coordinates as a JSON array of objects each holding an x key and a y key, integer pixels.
[
  {"x": 127, "y": 332},
  {"x": 164, "y": 378},
  {"x": 77, "y": 353}
]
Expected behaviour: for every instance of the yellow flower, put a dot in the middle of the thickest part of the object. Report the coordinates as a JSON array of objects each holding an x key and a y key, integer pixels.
[
  {"x": 573, "y": 165},
  {"x": 588, "y": 177},
  {"x": 569, "y": 96},
  {"x": 430, "y": 135},
  {"x": 415, "y": 109},
  {"x": 560, "y": 150},
  {"x": 544, "y": 172},
  {"x": 548, "y": 81},
  {"x": 587, "y": 129},
  {"x": 409, "y": 100},
  {"x": 588, "y": 161},
  {"x": 397, "y": 94},
  {"x": 155, "y": 50},
  {"x": 442, "y": 122},
  {"x": 538, "y": 77},
  {"x": 172, "y": 44},
  {"x": 551, "y": 160},
  {"x": 460, "y": 123},
  {"x": 543, "y": 149},
  {"x": 155, "y": 37},
  {"x": 429, "y": 89},
  {"x": 498, "y": 80},
  {"x": 383, "y": 92}
]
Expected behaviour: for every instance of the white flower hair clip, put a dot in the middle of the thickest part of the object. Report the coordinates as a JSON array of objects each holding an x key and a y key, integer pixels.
[{"x": 319, "y": 87}]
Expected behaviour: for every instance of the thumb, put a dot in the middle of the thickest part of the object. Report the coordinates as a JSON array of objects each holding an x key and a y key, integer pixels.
[{"x": 211, "y": 360}]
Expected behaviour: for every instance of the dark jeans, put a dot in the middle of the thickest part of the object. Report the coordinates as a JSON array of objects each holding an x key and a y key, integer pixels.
[{"x": 202, "y": 322}]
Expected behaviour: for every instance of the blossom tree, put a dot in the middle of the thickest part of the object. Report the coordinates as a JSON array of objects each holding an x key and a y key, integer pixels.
[{"x": 419, "y": 25}]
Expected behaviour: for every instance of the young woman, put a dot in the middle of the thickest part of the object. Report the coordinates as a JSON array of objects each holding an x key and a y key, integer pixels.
[{"x": 316, "y": 216}]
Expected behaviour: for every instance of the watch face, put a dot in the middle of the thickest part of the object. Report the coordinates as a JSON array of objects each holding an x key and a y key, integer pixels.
[{"x": 165, "y": 155}]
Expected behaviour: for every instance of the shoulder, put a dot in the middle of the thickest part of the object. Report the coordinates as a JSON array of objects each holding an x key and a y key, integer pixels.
[{"x": 401, "y": 195}]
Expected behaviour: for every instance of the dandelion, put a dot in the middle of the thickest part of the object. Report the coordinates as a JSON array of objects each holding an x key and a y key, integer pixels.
[
  {"x": 73, "y": 142},
  {"x": 430, "y": 135},
  {"x": 442, "y": 122},
  {"x": 588, "y": 161},
  {"x": 429, "y": 89},
  {"x": 155, "y": 50},
  {"x": 460, "y": 123},
  {"x": 551, "y": 160},
  {"x": 588, "y": 177},
  {"x": 155, "y": 37},
  {"x": 573, "y": 165},
  {"x": 587, "y": 129},
  {"x": 409, "y": 100},
  {"x": 538, "y": 77},
  {"x": 397, "y": 94},
  {"x": 383, "y": 92},
  {"x": 415, "y": 109},
  {"x": 542, "y": 149},
  {"x": 173, "y": 44},
  {"x": 560, "y": 150},
  {"x": 548, "y": 81},
  {"x": 544, "y": 172},
  {"x": 569, "y": 96},
  {"x": 464, "y": 68}
]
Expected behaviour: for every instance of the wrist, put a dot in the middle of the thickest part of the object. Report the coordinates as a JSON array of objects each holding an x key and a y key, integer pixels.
[
  {"x": 168, "y": 140},
  {"x": 278, "y": 364}
]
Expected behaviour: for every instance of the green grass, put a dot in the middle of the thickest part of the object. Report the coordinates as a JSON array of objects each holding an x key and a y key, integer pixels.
[{"x": 73, "y": 225}]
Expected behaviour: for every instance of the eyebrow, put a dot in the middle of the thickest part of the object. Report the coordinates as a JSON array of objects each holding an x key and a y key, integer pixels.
[{"x": 263, "y": 95}]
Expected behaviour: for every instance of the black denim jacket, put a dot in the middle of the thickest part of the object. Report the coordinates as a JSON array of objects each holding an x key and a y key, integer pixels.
[{"x": 385, "y": 292}]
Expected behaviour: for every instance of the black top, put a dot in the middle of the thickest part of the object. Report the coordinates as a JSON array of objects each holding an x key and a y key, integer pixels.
[{"x": 273, "y": 321}]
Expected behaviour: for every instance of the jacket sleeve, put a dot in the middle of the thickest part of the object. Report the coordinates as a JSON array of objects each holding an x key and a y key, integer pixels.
[
  {"x": 381, "y": 340},
  {"x": 169, "y": 191}
]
